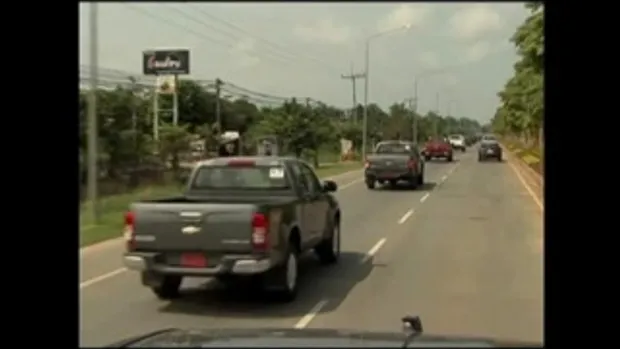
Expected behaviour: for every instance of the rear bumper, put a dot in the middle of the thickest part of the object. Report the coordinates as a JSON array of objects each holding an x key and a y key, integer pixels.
[
  {"x": 387, "y": 175},
  {"x": 486, "y": 154},
  {"x": 437, "y": 154},
  {"x": 238, "y": 265}
]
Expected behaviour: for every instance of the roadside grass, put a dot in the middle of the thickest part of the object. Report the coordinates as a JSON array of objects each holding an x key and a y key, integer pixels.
[
  {"x": 531, "y": 156},
  {"x": 113, "y": 207}
]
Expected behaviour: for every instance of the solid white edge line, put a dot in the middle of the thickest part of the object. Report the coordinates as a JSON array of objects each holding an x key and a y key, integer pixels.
[
  {"x": 99, "y": 278},
  {"x": 305, "y": 320},
  {"x": 346, "y": 185}
]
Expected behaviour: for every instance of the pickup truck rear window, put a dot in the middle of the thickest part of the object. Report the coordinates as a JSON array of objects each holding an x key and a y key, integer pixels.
[
  {"x": 251, "y": 177},
  {"x": 393, "y": 148}
]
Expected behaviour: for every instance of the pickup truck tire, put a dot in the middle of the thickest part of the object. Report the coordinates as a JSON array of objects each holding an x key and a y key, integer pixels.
[
  {"x": 413, "y": 183},
  {"x": 328, "y": 250},
  {"x": 282, "y": 280},
  {"x": 449, "y": 158},
  {"x": 421, "y": 179},
  {"x": 370, "y": 184},
  {"x": 169, "y": 287},
  {"x": 427, "y": 158}
]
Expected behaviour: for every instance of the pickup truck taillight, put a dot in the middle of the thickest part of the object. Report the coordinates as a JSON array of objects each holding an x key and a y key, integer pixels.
[
  {"x": 260, "y": 229},
  {"x": 128, "y": 232},
  {"x": 366, "y": 164}
]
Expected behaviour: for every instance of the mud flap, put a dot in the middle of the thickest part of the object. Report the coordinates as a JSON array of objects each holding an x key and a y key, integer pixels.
[{"x": 151, "y": 279}]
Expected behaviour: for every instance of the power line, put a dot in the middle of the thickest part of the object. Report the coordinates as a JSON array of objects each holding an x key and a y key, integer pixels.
[
  {"x": 201, "y": 35},
  {"x": 265, "y": 41},
  {"x": 111, "y": 78},
  {"x": 218, "y": 30}
]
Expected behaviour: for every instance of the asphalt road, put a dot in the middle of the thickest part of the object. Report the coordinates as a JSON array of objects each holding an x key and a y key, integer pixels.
[{"x": 465, "y": 252}]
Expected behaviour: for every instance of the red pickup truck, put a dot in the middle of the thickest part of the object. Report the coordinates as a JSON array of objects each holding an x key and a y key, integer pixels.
[{"x": 438, "y": 148}]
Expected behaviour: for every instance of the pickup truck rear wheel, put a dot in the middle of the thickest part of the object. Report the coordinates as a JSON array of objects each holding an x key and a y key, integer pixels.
[
  {"x": 370, "y": 184},
  {"x": 285, "y": 278},
  {"x": 168, "y": 288},
  {"x": 449, "y": 158},
  {"x": 328, "y": 250}
]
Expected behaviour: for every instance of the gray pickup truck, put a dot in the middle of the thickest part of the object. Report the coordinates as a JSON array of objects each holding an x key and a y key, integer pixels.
[
  {"x": 394, "y": 161},
  {"x": 239, "y": 217}
]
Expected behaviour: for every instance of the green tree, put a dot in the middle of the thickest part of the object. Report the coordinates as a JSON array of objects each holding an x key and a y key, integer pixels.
[{"x": 520, "y": 114}]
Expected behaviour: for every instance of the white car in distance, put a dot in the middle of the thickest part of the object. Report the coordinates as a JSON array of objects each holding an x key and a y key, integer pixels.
[{"x": 457, "y": 142}]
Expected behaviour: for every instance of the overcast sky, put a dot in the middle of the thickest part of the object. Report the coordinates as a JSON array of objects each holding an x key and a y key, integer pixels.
[{"x": 289, "y": 49}]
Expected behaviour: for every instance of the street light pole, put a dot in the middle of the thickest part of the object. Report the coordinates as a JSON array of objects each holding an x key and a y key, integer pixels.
[
  {"x": 92, "y": 115},
  {"x": 415, "y": 110},
  {"x": 366, "y": 83}
]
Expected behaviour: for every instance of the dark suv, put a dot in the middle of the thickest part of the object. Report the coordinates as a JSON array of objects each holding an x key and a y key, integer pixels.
[
  {"x": 489, "y": 148},
  {"x": 393, "y": 161}
]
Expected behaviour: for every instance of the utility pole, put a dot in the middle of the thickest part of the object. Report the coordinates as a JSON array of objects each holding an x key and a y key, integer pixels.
[
  {"x": 436, "y": 123},
  {"x": 415, "y": 110},
  {"x": 353, "y": 77},
  {"x": 134, "y": 128},
  {"x": 218, "y": 111},
  {"x": 92, "y": 113},
  {"x": 175, "y": 101},
  {"x": 365, "y": 120}
]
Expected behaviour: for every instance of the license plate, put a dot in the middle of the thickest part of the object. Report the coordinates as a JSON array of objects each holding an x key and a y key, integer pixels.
[
  {"x": 490, "y": 151},
  {"x": 389, "y": 175},
  {"x": 193, "y": 260}
]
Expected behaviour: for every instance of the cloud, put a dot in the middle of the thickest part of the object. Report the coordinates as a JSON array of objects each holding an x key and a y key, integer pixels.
[
  {"x": 449, "y": 80},
  {"x": 325, "y": 31},
  {"x": 429, "y": 59},
  {"x": 475, "y": 21},
  {"x": 477, "y": 51},
  {"x": 405, "y": 14},
  {"x": 244, "y": 53}
]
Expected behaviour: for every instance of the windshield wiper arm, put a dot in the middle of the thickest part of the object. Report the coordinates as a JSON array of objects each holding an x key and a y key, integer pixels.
[{"x": 412, "y": 326}]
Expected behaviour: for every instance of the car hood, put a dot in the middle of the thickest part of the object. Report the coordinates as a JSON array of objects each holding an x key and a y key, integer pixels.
[{"x": 193, "y": 338}]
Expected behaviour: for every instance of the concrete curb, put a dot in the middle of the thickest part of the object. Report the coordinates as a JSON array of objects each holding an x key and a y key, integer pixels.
[{"x": 106, "y": 243}]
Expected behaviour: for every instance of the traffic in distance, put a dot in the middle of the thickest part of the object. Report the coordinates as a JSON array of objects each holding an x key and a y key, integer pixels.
[{"x": 248, "y": 222}]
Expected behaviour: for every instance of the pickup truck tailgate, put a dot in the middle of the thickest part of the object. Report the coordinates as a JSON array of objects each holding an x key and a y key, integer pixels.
[
  {"x": 386, "y": 161},
  {"x": 197, "y": 227}
]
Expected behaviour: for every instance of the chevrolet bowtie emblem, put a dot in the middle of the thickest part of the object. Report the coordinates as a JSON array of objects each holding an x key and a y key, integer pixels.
[{"x": 189, "y": 230}]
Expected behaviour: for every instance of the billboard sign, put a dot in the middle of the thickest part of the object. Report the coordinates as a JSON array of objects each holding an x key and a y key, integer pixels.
[{"x": 165, "y": 62}]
